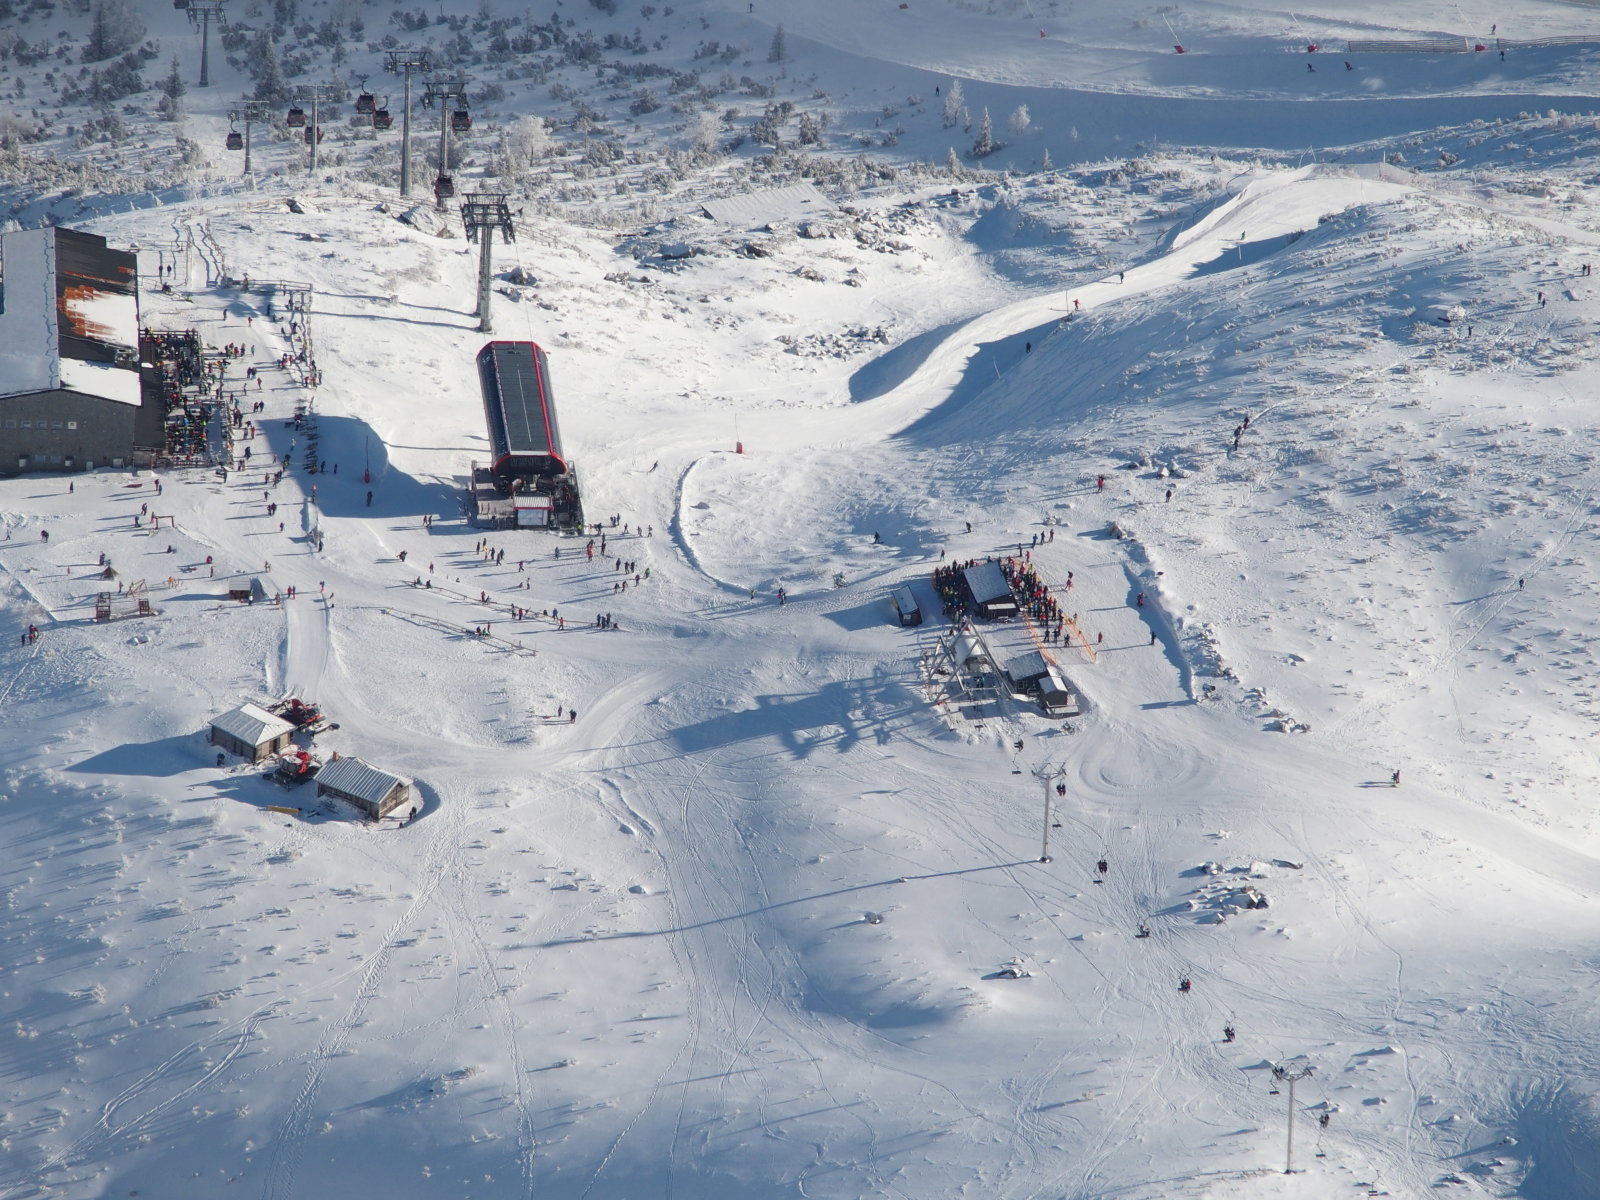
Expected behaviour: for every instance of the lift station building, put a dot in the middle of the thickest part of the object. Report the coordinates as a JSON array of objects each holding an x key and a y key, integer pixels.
[{"x": 528, "y": 482}]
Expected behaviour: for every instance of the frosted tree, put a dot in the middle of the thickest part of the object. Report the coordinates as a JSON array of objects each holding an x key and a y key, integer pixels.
[
  {"x": 952, "y": 163},
  {"x": 707, "y": 131},
  {"x": 1045, "y": 164},
  {"x": 954, "y": 104},
  {"x": 526, "y": 142},
  {"x": 779, "y": 52},
  {"x": 1019, "y": 121},
  {"x": 172, "y": 90},
  {"x": 984, "y": 144},
  {"x": 269, "y": 71},
  {"x": 114, "y": 27}
]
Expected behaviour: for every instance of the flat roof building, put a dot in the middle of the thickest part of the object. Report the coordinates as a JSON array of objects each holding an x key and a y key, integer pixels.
[{"x": 69, "y": 351}]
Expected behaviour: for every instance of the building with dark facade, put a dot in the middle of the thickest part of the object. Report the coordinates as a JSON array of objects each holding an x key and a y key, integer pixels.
[{"x": 70, "y": 394}]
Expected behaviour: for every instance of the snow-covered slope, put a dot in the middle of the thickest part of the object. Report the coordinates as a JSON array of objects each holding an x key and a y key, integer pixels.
[{"x": 719, "y": 901}]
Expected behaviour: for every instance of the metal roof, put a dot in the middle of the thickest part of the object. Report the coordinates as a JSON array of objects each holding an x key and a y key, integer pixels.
[
  {"x": 252, "y": 725},
  {"x": 354, "y": 778},
  {"x": 987, "y": 583},
  {"x": 793, "y": 203},
  {"x": 515, "y": 378}
]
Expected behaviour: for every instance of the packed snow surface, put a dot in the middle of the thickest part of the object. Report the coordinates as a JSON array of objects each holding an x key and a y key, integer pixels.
[{"x": 712, "y": 895}]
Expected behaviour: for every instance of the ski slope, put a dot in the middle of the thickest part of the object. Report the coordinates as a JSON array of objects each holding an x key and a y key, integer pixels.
[{"x": 738, "y": 928}]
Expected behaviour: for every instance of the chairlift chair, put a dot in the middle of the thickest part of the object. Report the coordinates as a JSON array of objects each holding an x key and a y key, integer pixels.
[
  {"x": 296, "y": 118},
  {"x": 381, "y": 119},
  {"x": 460, "y": 121},
  {"x": 366, "y": 103},
  {"x": 235, "y": 140}
]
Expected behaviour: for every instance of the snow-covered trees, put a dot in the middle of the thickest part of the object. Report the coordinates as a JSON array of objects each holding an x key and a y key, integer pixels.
[
  {"x": 114, "y": 28},
  {"x": 269, "y": 71},
  {"x": 1019, "y": 121},
  {"x": 954, "y": 104},
  {"x": 172, "y": 90},
  {"x": 525, "y": 143},
  {"x": 779, "y": 51},
  {"x": 985, "y": 143}
]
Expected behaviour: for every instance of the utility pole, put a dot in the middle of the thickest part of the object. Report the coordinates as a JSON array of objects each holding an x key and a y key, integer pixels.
[
  {"x": 483, "y": 213},
  {"x": 249, "y": 111},
  {"x": 443, "y": 91},
  {"x": 1050, "y": 777},
  {"x": 407, "y": 61},
  {"x": 201, "y": 14},
  {"x": 1284, "y": 1075},
  {"x": 317, "y": 92}
]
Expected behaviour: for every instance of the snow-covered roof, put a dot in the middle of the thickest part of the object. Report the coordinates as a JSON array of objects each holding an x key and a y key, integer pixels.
[
  {"x": 251, "y": 724},
  {"x": 793, "y": 203},
  {"x": 987, "y": 583},
  {"x": 352, "y": 777},
  {"x": 29, "y": 354},
  {"x": 69, "y": 315}
]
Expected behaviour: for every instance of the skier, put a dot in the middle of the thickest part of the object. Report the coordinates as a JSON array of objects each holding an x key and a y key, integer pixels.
[
  {"x": 1141, "y": 600},
  {"x": 1100, "y": 483},
  {"x": 1394, "y": 780},
  {"x": 1102, "y": 866},
  {"x": 1227, "y": 1033},
  {"x": 1184, "y": 985}
]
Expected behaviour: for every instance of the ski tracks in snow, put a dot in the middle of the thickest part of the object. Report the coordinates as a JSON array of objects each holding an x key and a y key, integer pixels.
[{"x": 289, "y": 1146}]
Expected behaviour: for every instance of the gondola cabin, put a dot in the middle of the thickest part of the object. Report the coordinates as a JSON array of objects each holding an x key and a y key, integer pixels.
[
  {"x": 382, "y": 119},
  {"x": 366, "y": 102},
  {"x": 296, "y": 118},
  {"x": 235, "y": 140},
  {"x": 460, "y": 121}
]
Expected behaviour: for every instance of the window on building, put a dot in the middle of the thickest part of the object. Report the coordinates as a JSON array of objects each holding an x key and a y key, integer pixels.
[
  {"x": 72, "y": 424},
  {"x": 11, "y": 422},
  {"x": 27, "y": 424}
]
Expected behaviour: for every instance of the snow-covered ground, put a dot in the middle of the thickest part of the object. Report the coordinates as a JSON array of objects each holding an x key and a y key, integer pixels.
[{"x": 738, "y": 929}]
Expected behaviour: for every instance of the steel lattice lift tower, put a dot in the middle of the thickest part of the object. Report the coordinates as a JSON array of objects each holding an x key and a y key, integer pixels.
[
  {"x": 404, "y": 62},
  {"x": 201, "y": 14},
  {"x": 483, "y": 213}
]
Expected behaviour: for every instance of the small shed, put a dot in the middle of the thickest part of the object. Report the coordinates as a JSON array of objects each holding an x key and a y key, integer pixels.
[
  {"x": 251, "y": 732},
  {"x": 1055, "y": 697},
  {"x": 376, "y": 793},
  {"x": 906, "y": 606},
  {"x": 1026, "y": 670},
  {"x": 991, "y": 592}
]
